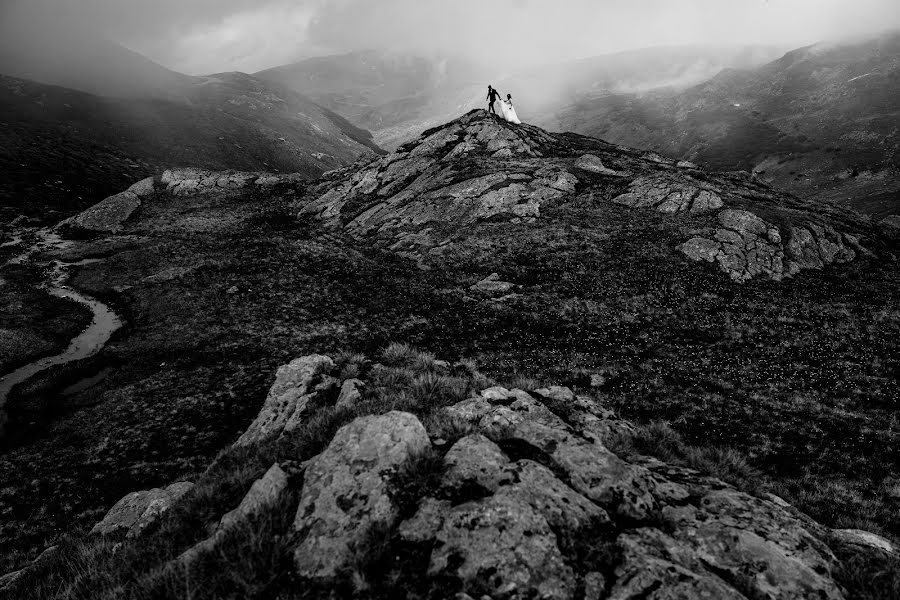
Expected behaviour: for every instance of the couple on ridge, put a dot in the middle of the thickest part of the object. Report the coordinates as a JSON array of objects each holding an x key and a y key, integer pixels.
[{"x": 506, "y": 107}]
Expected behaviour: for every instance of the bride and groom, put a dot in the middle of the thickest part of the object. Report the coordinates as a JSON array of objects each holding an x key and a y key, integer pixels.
[{"x": 506, "y": 107}]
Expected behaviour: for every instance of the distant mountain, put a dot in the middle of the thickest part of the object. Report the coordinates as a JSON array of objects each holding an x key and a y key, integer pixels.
[
  {"x": 394, "y": 96},
  {"x": 84, "y": 62},
  {"x": 397, "y": 96},
  {"x": 821, "y": 122},
  {"x": 62, "y": 150}
]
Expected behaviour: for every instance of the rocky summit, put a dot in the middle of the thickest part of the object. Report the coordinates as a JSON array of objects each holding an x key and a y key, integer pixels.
[{"x": 477, "y": 168}]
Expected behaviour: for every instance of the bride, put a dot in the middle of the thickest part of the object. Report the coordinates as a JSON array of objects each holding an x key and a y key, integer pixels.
[{"x": 509, "y": 112}]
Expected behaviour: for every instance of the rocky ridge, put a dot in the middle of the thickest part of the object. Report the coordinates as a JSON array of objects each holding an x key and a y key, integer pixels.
[
  {"x": 110, "y": 215},
  {"x": 529, "y": 502},
  {"x": 479, "y": 169}
]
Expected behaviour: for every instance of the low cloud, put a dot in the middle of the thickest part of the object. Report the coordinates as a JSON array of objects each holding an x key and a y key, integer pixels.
[{"x": 199, "y": 36}]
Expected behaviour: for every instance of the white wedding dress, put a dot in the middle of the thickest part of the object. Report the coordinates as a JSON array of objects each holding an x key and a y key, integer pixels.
[{"x": 509, "y": 113}]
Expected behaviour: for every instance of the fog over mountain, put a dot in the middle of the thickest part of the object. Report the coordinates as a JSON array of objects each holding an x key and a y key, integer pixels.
[{"x": 204, "y": 36}]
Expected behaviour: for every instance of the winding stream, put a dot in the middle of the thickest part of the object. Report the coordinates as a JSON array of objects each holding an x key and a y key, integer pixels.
[{"x": 87, "y": 343}]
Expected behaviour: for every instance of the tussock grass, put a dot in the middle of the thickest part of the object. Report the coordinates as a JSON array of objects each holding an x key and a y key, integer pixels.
[{"x": 658, "y": 439}]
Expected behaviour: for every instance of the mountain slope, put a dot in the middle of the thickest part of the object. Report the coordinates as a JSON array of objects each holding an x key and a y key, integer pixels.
[
  {"x": 553, "y": 257},
  {"x": 61, "y": 149},
  {"x": 397, "y": 96},
  {"x": 54, "y": 54},
  {"x": 820, "y": 122}
]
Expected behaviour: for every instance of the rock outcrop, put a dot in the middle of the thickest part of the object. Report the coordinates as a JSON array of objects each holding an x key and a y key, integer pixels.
[
  {"x": 134, "y": 512},
  {"x": 190, "y": 181},
  {"x": 478, "y": 169},
  {"x": 528, "y": 502},
  {"x": 265, "y": 493},
  {"x": 670, "y": 193},
  {"x": 532, "y": 504},
  {"x": 288, "y": 399},
  {"x": 345, "y": 492},
  {"x": 111, "y": 215},
  {"x": 745, "y": 246}
]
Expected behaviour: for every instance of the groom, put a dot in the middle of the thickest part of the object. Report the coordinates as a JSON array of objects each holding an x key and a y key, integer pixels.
[{"x": 492, "y": 96}]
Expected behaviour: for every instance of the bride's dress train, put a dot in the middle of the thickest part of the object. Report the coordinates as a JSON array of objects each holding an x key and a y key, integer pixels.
[{"x": 509, "y": 112}]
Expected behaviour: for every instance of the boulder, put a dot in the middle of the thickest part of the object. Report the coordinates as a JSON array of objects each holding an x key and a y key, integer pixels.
[
  {"x": 288, "y": 398},
  {"x": 502, "y": 547},
  {"x": 144, "y": 187},
  {"x": 263, "y": 496},
  {"x": 349, "y": 394},
  {"x": 107, "y": 216},
  {"x": 492, "y": 285},
  {"x": 591, "y": 469},
  {"x": 593, "y": 164},
  {"x": 345, "y": 492},
  {"x": 137, "y": 510},
  {"x": 865, "y": 539}
]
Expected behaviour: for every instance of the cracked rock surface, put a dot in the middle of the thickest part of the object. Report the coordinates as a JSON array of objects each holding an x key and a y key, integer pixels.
[
  {"x": 528, "y": 501},
  {"x": 477, "y": 169}
]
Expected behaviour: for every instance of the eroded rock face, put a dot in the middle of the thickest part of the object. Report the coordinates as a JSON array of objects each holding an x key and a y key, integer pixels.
[
  {"x": 345, "y": 492},
  {"x": 421, "y": 182},
  {"x": 189, "y": 181},
  {"x": 594, "y": 164},
  {"x": 516, "y": 517},
  {"x": 530, "y": 503},
  {"x": 265, "y": 493},
  {"x": 288, "y": 399},
  {"x": 107, "y": 216},
  {"x": 670, "y": 194},
  {"x": 745, "y": 246},
  {"x": 135, "y": 511}
]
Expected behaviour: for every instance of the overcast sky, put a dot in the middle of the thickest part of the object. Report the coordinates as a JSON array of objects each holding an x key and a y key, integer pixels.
[{"x": 203, "y": 36}]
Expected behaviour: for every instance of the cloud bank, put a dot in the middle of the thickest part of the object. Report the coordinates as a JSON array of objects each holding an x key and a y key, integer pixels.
[{"x": 202, "y": 36}]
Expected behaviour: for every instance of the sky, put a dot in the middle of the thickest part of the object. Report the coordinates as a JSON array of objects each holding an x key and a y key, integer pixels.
[{"x": 205, "y": 36}]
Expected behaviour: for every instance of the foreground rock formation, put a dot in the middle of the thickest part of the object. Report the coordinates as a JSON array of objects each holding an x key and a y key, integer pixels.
[{"x": 528, "y": 502}]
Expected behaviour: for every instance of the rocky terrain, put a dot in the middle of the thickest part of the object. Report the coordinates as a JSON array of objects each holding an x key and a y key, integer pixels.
[
  {"x": 748, "y": 335},
  {"x": 506, "y": 494},
  {"x": 413, "y": 199}
]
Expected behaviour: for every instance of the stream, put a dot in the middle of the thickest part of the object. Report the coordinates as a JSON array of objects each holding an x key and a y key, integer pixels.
[{"x": 87, "y": 343}]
